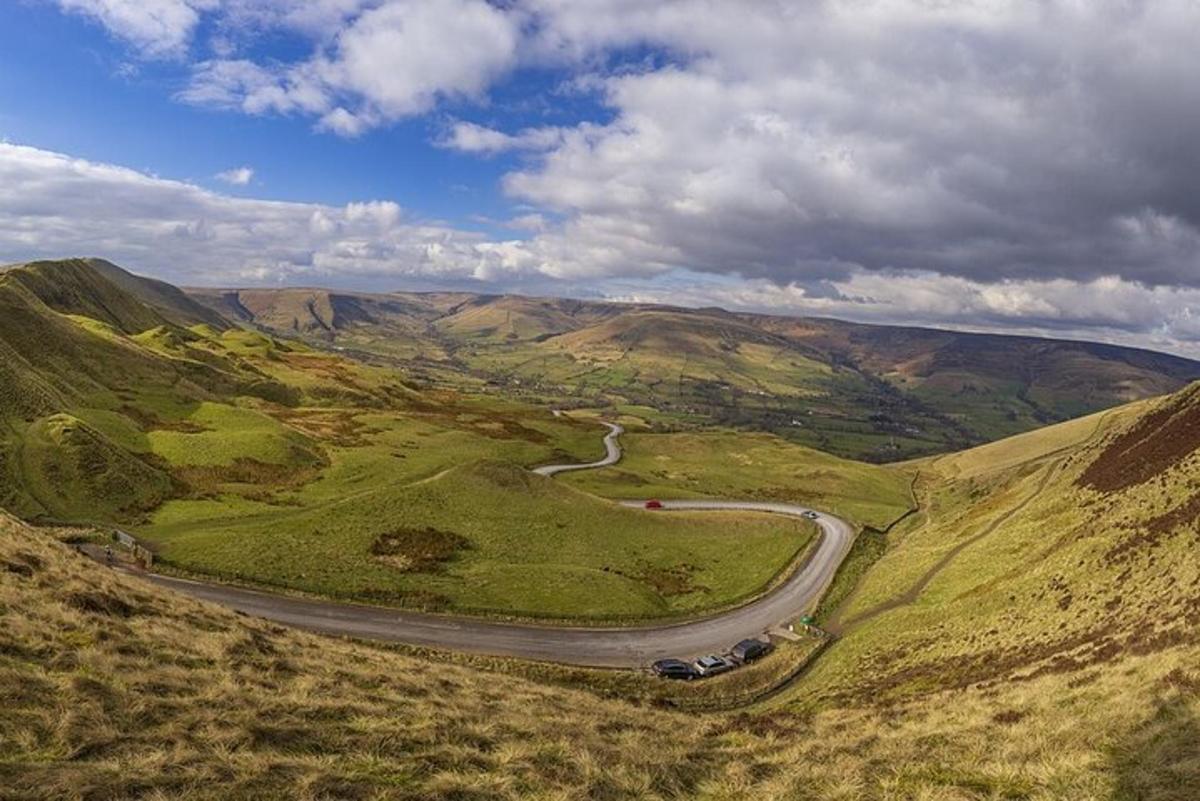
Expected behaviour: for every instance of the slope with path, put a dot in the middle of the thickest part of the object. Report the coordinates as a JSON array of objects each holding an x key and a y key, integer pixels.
[{"x": 577, "y": 645}]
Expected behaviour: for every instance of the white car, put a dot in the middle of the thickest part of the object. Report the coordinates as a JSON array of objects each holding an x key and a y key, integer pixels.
[{"x": 810, "y": 514}]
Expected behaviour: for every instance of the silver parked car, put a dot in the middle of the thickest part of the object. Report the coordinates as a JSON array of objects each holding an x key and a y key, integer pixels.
[{"x": 712, "y": 665}]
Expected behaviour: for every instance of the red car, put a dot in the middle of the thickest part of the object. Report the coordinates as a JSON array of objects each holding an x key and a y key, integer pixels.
[{"x": 654, "y": 504}]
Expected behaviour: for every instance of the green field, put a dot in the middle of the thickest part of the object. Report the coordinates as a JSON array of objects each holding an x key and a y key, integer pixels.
[
  {"x": 749, "y": 466},
  {"x": 510, "y": 543}
]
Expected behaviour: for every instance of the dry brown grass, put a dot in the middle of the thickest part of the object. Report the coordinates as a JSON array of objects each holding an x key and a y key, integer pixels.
[{"x": 112, "y": 689}]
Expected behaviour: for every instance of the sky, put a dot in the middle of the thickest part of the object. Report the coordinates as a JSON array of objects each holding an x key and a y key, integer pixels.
[{"x": 1024, "y": 167}]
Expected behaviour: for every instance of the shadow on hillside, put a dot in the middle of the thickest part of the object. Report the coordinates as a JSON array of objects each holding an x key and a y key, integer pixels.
[{"x": 1160, "y": 760}]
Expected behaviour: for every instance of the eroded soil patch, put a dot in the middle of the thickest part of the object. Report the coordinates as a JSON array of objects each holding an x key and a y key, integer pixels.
[{"x": 418, "y": 550}]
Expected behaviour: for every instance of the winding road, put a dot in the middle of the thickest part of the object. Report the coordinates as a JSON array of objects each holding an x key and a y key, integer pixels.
[
  {"x": 621, "y": 647},
  {"x": 612, "y": 455}
]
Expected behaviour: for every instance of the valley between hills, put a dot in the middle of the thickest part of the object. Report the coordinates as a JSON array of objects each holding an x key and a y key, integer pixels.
[{"x": 1017, "y": 616}]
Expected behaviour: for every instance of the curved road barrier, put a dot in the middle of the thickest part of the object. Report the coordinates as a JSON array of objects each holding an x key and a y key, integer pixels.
[{"x": 577, "y": 645}]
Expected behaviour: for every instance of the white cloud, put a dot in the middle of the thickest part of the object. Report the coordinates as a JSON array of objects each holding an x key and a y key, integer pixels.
[
  {"x": 1015, "y": 164},
  {"x": 798, "y": 142},
  {"x": 468, "y": 137},
  {"x": 392, "y": 61},
  {"x": 186, "y": 234},
  {"x": 156, "y": 27},
  {"x": 68, "y": 206},
  {"x": 237, "y": 176}
]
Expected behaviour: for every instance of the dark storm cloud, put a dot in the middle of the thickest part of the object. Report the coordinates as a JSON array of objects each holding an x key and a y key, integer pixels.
[{"x": 985, "y": 139}]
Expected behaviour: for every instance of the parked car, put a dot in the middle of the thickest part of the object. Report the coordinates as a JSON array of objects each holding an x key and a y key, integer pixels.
[
  {"x": 810, "y": 514},
  {"x": 654, "y": 504},
  {"x": 673, "y": 669},
  {"x": 712, "y": 665},
  {"x": 749, "y": 650}
]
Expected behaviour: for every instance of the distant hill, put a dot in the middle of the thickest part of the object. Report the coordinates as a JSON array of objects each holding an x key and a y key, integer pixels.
[
  {"x": 880, "y": 393},
  {"x": 170, "y": 301},
  {"x": 875, "y": 392}
]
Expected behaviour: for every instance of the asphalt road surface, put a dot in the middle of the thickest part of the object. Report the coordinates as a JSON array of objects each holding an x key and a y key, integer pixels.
[
  {"x": 601, "y": 647},
  {"x": 612, "y": 455}
]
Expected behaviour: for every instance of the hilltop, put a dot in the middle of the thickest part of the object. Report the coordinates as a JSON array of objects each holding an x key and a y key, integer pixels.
[{"x": 882, "y": 393}]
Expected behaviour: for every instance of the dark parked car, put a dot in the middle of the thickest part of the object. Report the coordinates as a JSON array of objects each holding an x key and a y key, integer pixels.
[
  {"x": 673, "y": 669},
  {"x": 712, "y": 665},
  {"x": 749, "y": 650}
]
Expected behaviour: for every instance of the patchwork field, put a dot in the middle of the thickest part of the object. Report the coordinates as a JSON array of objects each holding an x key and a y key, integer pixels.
[{"x": 878, "y": 393}]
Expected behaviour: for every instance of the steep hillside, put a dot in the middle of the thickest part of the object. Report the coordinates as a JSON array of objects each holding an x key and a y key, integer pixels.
[
  {"x": 997, "y": 385},
  {"x": 881, "y": 393},
  {"x": 93, "y": 378},
  {"x": 392, "y": 325},
  {"x": 171, "y": 302},
  {"x": 72, "y": 471},
  {"x": 511, "y": 318},
  {"x": 1062, "y": 551},
  {"x": 113, "y": 411},
  {"x": 76, "y": 287}
]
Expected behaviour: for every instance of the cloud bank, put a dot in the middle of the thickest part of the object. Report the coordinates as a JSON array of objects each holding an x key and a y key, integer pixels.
[{"x": 992, "y": 162}]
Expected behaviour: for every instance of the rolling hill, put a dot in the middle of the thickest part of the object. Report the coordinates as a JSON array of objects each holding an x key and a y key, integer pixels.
[
  {"x": 119, "y": 394},
  {"x": 1031, "y": 633},
  {"x": 882, "y": 393}
]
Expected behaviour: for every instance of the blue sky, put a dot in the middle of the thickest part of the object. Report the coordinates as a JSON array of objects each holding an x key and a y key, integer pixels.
[
  {"x": 68, "y": 86},
  {"x": 993, "y": 166}
]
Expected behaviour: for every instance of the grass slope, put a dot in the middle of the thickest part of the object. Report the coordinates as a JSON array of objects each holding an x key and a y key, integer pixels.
[
  {"x": 111, "y": 688},
  {"x": 252, "y": 458},
  {"x": 220, "y": 409},
  {"x": 518, "y": 544},
  {"x": 169, "y": 301},
  {"x": 1059, "y": 552},
  {"x": 751, "y": 467},
  {"x": 74, "y": 472}
]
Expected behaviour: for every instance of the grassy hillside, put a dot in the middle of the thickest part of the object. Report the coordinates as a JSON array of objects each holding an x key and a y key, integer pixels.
[
  {"x": 1030, "y": 633},
  {"x": 752, "y": 467},
  {"x": 1066, "y": 551},
  {"x": 114, "y": 399},
  {"x": 491, "y": 537},
  {"x": 171, "y": 302},
  {"x": 110, "y": 688},
  {"x": 996, "y": 385},
  {"x": 74, "y": 472},
  {"x": 880, "y": 393},
  {"x": 248, "y": 457},
  {"x": 396, "y": 326}
]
